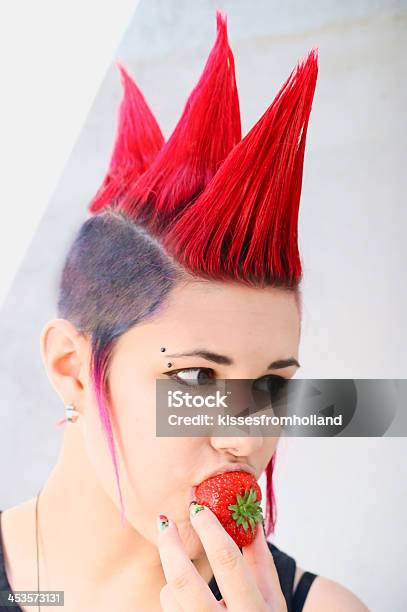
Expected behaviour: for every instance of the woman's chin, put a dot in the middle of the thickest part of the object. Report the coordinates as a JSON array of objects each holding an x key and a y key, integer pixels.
[{"x": 192, "y": 544}]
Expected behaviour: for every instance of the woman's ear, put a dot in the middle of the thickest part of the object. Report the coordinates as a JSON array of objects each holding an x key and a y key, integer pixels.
[{"x": 65, "y": 353}]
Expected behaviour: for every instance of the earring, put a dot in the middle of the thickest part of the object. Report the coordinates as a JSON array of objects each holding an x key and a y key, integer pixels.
[{"x": 71, "y": 413}]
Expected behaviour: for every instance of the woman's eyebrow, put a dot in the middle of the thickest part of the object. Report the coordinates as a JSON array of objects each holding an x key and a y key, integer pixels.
[{"x": 224, "y": 360}]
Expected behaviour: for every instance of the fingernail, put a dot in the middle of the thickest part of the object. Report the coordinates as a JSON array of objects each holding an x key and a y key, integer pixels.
[
  {"x": 194, "y": 508},
  {"x": 162, "y": 522}
]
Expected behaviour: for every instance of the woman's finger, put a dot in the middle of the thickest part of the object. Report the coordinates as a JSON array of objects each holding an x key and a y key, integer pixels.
[
  {"x": 259, "y": 559},
  {"x": 190, "y": 590},
  {"x": 168, "y": 601},
  {"x": 236, "y": 582}
]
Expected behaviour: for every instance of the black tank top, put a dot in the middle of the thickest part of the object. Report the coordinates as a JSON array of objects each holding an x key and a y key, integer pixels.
[{"x": 285, "y": 566}]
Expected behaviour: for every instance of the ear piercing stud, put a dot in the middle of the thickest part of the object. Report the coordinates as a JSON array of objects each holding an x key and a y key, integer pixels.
[{"x": 71, "y": 413}]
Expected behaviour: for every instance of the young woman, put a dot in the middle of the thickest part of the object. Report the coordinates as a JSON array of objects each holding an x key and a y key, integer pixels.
[{"x": 186, "y": 268}]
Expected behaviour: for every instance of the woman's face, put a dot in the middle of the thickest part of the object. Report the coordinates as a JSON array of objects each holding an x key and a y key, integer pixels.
[{"x": 248, "y": 329}]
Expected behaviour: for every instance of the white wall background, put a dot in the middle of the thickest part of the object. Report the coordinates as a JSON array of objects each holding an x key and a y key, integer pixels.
[{"x": 341, "y": 502}]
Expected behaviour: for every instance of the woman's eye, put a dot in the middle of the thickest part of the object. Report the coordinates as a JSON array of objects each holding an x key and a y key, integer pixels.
[
  {"x": 193, "y": 377},
  {"x": 268, "y": 389},
  {"x": 270, "y": 383}
]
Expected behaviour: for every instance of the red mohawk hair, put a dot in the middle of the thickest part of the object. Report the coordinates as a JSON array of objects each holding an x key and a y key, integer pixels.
[
  {"x": 205, "y": 134},
  {"x": 138, "y": 141},
  {"x": 244, "y": 224}
]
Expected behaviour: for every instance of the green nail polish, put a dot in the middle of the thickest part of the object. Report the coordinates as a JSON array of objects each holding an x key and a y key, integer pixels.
[
  {"x": 195, "y": 508},
  {"x": 162, "y": 522}
]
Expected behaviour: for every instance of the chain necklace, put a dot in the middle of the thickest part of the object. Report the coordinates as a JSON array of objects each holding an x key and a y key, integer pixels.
[{"x": 36, "y": 542}]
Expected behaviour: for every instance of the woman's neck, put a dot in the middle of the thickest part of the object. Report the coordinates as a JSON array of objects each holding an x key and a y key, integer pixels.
[{"x": 83, "y": 545}]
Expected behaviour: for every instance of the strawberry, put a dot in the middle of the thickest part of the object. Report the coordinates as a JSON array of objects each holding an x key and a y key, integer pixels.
[{"x": 234, "y": 497}]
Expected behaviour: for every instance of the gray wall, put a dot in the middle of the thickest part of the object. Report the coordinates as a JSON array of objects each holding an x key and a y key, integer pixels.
[{"x": 341, "y": 502}]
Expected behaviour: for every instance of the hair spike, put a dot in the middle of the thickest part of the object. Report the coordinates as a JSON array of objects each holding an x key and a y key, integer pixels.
[
  {"x": 244, "y": 224},
  {"x": 207, "y": 131},
  {"x": 138, "y": 141}
]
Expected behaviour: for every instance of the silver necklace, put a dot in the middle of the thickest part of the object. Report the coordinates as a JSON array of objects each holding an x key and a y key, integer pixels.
[{"x": 36, "y": 542}]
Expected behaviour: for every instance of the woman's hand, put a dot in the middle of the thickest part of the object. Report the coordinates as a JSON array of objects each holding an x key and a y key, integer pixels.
[{"x": 248, "y": 582}]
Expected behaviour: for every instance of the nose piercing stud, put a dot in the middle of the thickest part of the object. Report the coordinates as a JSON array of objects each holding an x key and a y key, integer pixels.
[{"x": 162, "y": 349}]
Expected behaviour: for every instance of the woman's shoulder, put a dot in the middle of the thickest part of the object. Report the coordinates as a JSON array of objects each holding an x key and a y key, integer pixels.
[
  {"x": 17, "y": 523},
  {"x": 313, "y": 592},
  {"x": 17, "y": 539},
  {"x": 327, "y": 594}
]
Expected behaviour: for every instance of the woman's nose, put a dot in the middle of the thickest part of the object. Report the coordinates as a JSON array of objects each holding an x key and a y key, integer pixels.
[{"x": 239, "y": 446}]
